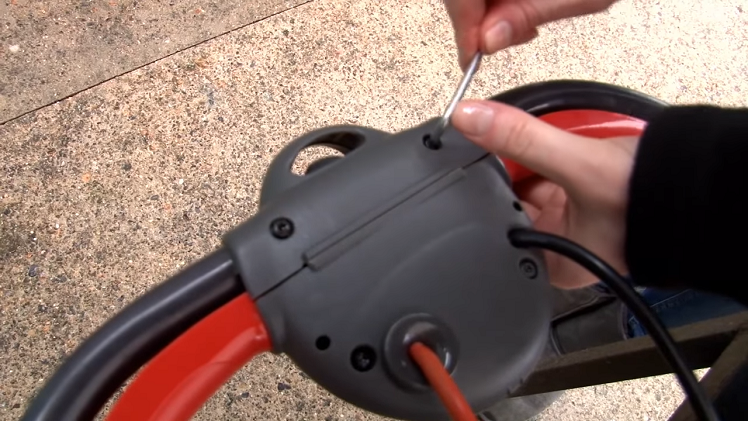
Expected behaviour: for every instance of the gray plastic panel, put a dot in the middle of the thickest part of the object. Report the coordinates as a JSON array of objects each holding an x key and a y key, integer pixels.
[
  {"x": 444, "y": 254},
  {"x": 336, "y": 196},
  {"x": 393, "y": 230}
]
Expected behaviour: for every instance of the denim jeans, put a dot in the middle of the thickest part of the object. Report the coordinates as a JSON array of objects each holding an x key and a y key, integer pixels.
[{"x": 681, "y": 307}]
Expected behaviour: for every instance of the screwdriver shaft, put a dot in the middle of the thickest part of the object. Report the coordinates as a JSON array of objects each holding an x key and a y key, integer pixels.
[{"x": 464, "y": 83}]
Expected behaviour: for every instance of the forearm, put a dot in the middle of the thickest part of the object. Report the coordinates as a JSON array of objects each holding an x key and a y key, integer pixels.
[{"x": 687, "y": 220}]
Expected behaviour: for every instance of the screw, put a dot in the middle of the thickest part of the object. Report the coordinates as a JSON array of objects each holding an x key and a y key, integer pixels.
[
  {"x": 528, "y": 268},
  {"x": 363, "y": 358},
  {"x": 281, "y": 228}
]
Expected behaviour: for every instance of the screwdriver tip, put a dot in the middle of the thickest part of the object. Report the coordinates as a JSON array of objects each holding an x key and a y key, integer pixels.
[{"x": 464, "y": 83}]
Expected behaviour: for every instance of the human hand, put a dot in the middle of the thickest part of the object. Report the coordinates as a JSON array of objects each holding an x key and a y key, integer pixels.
[
  {"x": 492, "y": 25},
  {"x": 581, "y": 192}
]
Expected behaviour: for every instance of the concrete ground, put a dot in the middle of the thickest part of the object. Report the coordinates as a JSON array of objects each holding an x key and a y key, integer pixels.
[{"x": 133, "y": 134}]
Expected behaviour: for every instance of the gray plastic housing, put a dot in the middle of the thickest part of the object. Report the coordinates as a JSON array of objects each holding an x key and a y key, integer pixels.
[{"x": 393, "y": 230}]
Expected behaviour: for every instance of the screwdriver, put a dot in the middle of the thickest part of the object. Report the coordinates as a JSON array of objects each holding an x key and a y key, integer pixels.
[{"x": 434, "y": 140}]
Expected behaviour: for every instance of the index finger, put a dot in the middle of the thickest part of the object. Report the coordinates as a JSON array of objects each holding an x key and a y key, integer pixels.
[{"x": 467, "y": 17}]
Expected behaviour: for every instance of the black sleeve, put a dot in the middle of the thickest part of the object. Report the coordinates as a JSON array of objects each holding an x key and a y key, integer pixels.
[{"x": 687, "y": 222}]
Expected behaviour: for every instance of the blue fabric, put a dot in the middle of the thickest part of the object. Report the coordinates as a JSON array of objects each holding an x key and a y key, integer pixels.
[{"x": 681, "y": 307}]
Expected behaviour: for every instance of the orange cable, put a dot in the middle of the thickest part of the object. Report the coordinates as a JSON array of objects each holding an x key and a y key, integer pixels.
[{"x": 443, "y": 384}]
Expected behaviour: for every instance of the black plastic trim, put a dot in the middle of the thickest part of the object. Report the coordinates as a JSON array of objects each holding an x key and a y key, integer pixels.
[
  {"x": 563, "y": 95},
  {"x": 91, "y": 375}
]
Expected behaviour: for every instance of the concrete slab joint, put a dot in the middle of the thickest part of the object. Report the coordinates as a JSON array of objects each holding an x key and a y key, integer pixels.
[{"x": 50, "y": 50}]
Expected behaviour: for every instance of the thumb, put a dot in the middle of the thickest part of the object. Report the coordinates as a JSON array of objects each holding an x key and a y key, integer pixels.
[{"x": 558, "y": 155}]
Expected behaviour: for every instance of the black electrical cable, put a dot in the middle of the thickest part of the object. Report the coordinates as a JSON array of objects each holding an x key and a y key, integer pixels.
[{"x": 527, "y": 238}]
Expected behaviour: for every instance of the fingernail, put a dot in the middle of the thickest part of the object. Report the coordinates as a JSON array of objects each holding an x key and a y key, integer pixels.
[
  {"x": 498, "y": 37},
  {"x": 473, "y": 119}
]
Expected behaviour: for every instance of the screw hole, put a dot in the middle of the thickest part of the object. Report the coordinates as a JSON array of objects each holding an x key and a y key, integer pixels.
[
  {"x": 517, "y": 206},
  {"x": 322, "y": 343},
  {"x": 431, "y": 143},
  {"x": 363, "y": 358},
  {"x": 529, "y": 268}
]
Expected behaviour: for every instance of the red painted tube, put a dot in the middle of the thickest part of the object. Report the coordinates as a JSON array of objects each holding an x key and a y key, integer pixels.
[{"x": 177, "y": 382}]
